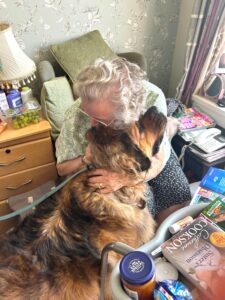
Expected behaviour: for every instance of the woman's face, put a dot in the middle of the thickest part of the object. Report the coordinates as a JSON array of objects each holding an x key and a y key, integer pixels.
[{"x": 100, "y": 111}]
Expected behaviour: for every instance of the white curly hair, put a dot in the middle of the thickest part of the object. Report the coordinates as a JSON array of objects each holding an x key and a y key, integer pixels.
[{"x": 121, "y": 81}]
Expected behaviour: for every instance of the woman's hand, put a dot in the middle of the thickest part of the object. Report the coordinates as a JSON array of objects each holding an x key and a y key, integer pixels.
[
  {"x": 108, "y": 181},
  {"x": 87, "y": 156}
]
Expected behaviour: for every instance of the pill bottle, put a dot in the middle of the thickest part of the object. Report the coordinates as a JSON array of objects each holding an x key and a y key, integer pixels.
[
  {"x": 14, "y": 98},
  {"x": 137, "y": 273},
  {"x": 26, "y": 94},
  {"x": 174, "y": 228},
  {"x": 3, "y": 101}
]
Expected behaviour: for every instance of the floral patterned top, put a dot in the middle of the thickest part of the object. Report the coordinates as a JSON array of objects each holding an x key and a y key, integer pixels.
[{"x": 71, "y": 142}]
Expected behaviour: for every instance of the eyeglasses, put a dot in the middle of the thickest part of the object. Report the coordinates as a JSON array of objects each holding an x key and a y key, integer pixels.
[{"x": 96, "y": 120}]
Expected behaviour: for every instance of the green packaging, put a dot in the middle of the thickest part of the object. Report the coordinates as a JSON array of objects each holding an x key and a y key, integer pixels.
[{"x": 215, "y": 212}]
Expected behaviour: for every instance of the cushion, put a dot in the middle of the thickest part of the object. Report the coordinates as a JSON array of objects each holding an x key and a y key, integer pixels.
[
  {"x": 76, "y": 54},
  {"x": 56, "y": 98}
]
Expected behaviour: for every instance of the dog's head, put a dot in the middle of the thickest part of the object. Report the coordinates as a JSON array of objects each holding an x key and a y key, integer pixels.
[{"x": 128, "y": 150}]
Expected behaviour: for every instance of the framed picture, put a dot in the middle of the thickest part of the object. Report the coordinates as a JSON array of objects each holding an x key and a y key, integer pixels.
[{"x": 220, "y": 66}]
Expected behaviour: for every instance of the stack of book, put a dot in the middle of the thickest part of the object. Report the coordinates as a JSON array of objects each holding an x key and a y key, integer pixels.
[
  {"x": 209, "y": 157},
  {"x": 211, "y": 186}
]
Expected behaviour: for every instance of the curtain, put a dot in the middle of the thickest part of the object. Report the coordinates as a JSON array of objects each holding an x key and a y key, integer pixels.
[
  {"x": 216, "y": 50},
  {"x": 206, "y": 16}
]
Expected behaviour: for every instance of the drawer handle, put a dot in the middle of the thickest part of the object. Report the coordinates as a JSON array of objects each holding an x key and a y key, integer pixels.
[
  {"x": 19, "y": 186},
  {"x": 12, "y": 162}
]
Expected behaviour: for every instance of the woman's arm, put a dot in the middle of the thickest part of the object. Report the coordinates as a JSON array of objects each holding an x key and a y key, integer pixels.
[
  {"x": 71, "y": 142},
  {"x": 74, "y": 165},
  {"x": 69, "y": 166}
]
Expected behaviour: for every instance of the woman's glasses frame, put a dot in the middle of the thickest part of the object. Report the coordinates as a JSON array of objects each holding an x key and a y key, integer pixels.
[{"x": 96, "y": 120}]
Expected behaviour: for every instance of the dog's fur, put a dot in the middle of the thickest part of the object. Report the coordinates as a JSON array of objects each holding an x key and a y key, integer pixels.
[{"x": 55, "y": 252}]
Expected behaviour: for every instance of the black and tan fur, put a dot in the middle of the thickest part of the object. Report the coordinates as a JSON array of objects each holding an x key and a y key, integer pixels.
[{"x": 55, "y": 252}]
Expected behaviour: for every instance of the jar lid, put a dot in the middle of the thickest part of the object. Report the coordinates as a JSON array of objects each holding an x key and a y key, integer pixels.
[
  {"x": 174, "y": 228},
  {"x": 137, "y": 268},
  {"x": 25, "y": 88},
  {"x": 165, "y": 271}
]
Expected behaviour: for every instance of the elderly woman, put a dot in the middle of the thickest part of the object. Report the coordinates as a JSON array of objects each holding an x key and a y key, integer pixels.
[{"x": 115, "y": 93}]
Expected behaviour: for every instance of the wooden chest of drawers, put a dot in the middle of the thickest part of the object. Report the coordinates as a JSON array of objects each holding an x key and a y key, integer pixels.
[{"x": 26, "y": 161}]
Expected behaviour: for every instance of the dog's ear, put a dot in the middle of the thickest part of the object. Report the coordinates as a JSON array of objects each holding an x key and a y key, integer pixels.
[
  {"x": 101, "y": 135},
  {"x": 152, "y": 126},
  {"x": 154, "y": 120}
]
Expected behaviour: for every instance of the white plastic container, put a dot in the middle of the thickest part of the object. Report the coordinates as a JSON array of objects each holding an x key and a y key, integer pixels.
[
  {"x": 3, "y": 102},
  {"x": 26, "y": 94}
]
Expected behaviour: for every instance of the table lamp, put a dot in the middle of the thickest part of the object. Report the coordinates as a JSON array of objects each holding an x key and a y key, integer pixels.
[{"x": 16, "y": 68}]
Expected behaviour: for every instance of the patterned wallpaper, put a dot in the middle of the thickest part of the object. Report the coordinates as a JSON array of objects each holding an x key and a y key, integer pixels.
[{"x": 146, "y": 26}]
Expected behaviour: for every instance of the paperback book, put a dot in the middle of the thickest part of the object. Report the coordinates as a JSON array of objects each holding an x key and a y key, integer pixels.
[
  {"x": 215, "y": 212},
  {"x": 198, "y": 252},
  {"x": 214, "y": 180},
  {"x": 203, "y": 195}
]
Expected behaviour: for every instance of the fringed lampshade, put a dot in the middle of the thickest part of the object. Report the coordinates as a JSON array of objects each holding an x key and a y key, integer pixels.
[{"x": 15, "y": 66}]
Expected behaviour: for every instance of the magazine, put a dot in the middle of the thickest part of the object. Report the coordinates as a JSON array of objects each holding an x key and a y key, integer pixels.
[
  {"x": 215, "y": 212},
  {"x": 192, "y": 119},
  {"x": 197, "y": 252},
  {"x": 214, "y": 180},
  {"x": 203, "y": 195}
]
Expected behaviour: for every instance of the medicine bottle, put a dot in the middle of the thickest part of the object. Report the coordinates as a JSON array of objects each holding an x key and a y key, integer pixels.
[
  {"x": 26, "y": 94},
  {"x": 14, "y": 98},
  {"x": 4, "y": 106},
  {"x": 137, "y": 273}
]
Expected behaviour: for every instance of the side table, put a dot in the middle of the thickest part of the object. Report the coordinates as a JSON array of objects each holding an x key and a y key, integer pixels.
[
  {"x": 26, "y": 161},
  {"x": 193, "y": 164}
]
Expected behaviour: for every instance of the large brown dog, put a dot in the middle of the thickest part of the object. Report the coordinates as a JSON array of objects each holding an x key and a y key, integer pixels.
[{"x": 55, "y": 253}]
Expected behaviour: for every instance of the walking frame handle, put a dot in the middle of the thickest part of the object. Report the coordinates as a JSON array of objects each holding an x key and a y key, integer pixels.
[{"x": 117, "y": 247}]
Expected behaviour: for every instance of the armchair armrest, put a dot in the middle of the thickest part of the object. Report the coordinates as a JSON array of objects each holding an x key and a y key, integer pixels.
[{"x": 45, "y": 71}]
